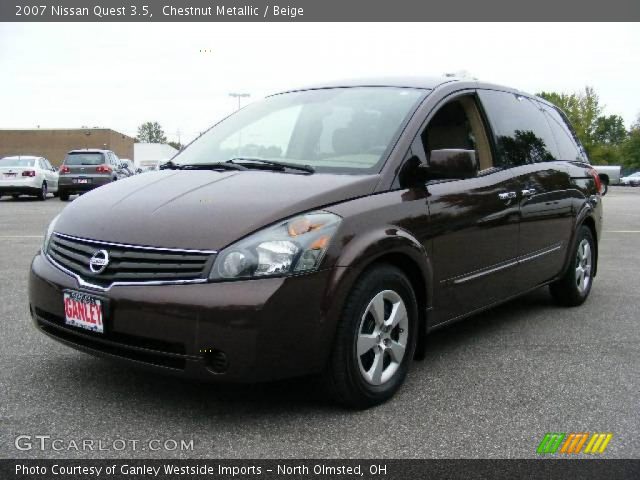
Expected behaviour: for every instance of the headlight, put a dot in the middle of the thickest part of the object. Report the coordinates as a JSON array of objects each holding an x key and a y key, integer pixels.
[
  {"x": 294, "y": 246},
  {"x": 47, "y": 235}
]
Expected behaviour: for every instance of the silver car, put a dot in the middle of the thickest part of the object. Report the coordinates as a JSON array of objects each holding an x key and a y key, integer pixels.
[
  {"x": 84, "y": 170},
  {"x": 632, "y": 180},
  {"x": 27, "y": 175}
]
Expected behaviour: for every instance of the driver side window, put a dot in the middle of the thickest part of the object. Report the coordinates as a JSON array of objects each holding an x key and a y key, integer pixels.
[{"x": 459, "y": 125}]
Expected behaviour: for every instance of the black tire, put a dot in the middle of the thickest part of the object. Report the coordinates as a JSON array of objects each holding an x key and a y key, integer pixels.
[
  {"x": 570, "y": 290},
  {"x": 344, "y": 375},
  {"x": 64, "y": 196},
  {"x": 43, "y": 192}
]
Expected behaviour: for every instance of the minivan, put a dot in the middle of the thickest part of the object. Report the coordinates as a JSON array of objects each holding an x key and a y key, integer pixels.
[{"x": 326, "y": 230}]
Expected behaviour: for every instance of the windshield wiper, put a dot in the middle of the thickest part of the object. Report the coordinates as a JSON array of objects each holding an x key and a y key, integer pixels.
[
  {"x": 272, "y": 163},
  {"x": 201, "y": 166}
]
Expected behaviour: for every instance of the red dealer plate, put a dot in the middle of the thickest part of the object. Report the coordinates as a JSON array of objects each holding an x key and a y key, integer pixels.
[{"x": 84, "y": 311}]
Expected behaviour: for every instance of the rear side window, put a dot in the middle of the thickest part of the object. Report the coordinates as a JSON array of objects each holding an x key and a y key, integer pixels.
[
  {"x": 522, "y": 133},
  {"x": 84, "y": 159},
  {"x": 568, "y": 146}
]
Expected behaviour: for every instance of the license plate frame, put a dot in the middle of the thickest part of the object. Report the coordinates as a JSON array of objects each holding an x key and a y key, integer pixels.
[{"x": 84, "y": 311}]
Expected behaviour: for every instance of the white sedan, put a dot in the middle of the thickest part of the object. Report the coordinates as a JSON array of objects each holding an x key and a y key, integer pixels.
[
  {"x": 633, "y": 180},
  {"x": 27, "y": 175}
]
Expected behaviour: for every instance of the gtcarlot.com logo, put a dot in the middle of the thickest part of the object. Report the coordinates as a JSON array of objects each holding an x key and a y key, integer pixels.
[
  {"x": 47, "y": 442},
  {"x": 574, "y": 443}
]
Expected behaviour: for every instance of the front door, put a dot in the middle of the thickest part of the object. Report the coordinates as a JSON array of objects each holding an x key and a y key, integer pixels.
[{"x": 473, "y": 223}]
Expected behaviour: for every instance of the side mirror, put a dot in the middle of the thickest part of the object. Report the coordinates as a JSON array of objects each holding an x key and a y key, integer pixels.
[{"x": 452, "y": 163}]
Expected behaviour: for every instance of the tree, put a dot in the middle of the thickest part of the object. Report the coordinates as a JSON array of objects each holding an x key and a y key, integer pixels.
[
  {"x": 582, "y": 110},
  {"x": 610, "y": 130},
  {"x": 151, "y": 132},
  {"x": 176, "y": 145},
  {"x": 631, "y": 149}
]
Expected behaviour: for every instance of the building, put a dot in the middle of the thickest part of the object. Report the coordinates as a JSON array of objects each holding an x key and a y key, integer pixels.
[
  {"x": 150, "y": 155},
  {"x": 55, "y": 143}
]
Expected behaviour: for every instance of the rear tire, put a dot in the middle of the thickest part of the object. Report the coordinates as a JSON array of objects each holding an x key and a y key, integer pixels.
[
  {"x": 375, "y": 339},
  {"x": 573, "y": 288},
  {"x": 64, "y": 196},
  {"x": 43, "y": 192}
]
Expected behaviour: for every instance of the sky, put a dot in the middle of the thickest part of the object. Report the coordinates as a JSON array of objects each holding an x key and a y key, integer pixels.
[{"x": 119, "y": 75}]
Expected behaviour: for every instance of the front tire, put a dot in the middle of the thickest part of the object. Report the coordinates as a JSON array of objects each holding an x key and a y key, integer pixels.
[
  {"x": 573, "y": 288},
  {"x": 375, "y": 339}
]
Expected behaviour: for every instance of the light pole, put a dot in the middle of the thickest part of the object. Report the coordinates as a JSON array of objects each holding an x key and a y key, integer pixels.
[{"x": 239, "y": 96}]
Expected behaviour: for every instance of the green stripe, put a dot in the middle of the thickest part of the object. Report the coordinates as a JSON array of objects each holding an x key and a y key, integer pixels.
[{"x": 550, "y": 443}]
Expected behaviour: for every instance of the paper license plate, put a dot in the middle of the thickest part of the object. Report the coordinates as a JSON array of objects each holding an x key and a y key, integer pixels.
[{"x": 83, "y": 311}]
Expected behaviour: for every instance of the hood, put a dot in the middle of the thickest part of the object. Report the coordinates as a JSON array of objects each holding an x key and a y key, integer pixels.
[{"x": 201, "y": 209}]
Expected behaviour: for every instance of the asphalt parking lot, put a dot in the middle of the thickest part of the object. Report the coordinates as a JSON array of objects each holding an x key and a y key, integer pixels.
[{"x": 490, "y": 387}]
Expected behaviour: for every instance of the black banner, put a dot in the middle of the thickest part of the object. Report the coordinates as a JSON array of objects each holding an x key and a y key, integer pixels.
[
  {"x": 314, "y": 10},
  {"x": 320, "y": 469}
]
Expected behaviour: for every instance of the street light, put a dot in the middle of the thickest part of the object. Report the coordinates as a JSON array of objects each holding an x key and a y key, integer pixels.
[{"x": 239, "y": 96}]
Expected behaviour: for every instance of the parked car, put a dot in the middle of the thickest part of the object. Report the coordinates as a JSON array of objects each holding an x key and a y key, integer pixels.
[
  {"x": 632, "y": 180},
  {"x": 27, "y": 175},
  {"x": 326, "y": 230},
  {"x": 84, "y": 170},
  {"x": 609, "y": 175},
  {"x": 127, "y": 165}
]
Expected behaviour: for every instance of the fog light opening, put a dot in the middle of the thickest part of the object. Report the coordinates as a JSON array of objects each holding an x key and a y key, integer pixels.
[{"x": 215, "y": 360}]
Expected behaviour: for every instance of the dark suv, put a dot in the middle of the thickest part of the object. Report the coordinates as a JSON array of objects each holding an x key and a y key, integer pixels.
[
  {"x": 326, "y": 230},
  {"x": 84, "y": 170}
]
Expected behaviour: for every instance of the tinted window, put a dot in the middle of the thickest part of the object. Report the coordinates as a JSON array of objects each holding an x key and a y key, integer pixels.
[
  {"x": 564, "y": 136},
  {"x": 522, "y": 133},
  {"x": 84, "y": 159}
]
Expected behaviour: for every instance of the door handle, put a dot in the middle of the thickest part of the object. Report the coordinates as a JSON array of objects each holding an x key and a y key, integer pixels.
[
  {"x": 507, "y": 195},
  {"x": 527, "y": 192}
]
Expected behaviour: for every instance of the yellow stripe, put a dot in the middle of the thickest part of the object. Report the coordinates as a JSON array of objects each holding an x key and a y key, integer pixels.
[
  {"x": 591, "y": 442},
  {"x": 567, "y": 442},
  {"x": 582, "y": 440},
  {"x": 606, "y": 442},
  {"x": 598, "y": 442}
]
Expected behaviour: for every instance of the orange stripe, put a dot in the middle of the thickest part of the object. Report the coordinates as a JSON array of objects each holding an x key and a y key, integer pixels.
[
  {"x": 581, "y": 443},
  {"x": 576, "y": 439},
  {"x": 567, "y": 442}
]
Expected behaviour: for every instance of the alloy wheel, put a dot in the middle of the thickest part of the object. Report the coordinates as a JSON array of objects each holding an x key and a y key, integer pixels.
[
  {"x": 583, "y": 266},
  {"x": 382, "y": 337}
]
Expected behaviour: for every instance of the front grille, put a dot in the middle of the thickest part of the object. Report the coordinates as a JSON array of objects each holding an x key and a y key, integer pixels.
[{"x": 127, "y": 263}]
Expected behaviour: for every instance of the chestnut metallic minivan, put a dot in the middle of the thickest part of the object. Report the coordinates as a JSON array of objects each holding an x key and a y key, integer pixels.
[{"x": 326, "y": 230}]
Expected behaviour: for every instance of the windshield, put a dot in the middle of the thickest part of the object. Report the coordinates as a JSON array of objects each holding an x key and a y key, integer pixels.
[
  {"x": 84, "y": 159},
  {"x": 16, "y": 162},
  {"x": 336, "y": 130}
]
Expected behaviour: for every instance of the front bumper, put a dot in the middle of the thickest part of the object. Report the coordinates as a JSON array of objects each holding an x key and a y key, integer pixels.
[{"x": 245, "y": 331}]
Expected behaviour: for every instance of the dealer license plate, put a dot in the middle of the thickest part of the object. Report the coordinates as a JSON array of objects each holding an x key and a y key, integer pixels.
[{"x": 84, "y": 311}]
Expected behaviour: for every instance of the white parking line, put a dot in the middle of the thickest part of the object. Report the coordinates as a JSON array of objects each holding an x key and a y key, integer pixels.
[{"x": 21, "y": 236}]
